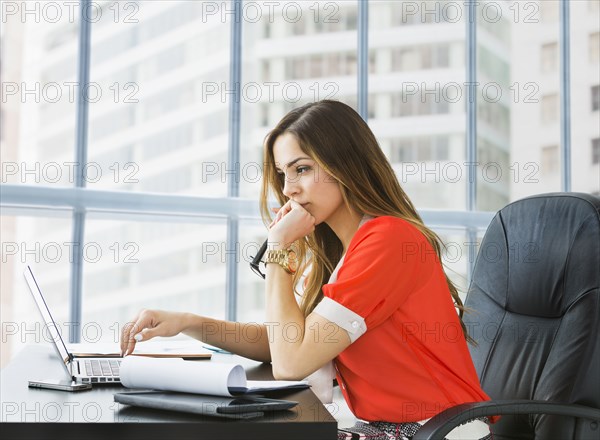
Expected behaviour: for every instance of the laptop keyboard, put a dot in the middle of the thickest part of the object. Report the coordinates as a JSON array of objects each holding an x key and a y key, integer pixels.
[{"x": 102, "y": 367}]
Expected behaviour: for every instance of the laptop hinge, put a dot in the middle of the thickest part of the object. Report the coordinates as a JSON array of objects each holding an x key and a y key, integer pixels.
[{"x": 71, "y": 362}]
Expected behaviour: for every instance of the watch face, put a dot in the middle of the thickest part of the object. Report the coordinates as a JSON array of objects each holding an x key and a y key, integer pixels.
[{"x": 292, "y": 261}]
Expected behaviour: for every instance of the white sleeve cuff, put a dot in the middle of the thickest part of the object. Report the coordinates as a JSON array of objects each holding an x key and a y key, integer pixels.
[{"x": 352, "y": 322}]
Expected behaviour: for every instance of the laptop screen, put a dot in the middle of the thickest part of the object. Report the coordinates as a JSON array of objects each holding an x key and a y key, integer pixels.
[{"x": 51, "y": 326}]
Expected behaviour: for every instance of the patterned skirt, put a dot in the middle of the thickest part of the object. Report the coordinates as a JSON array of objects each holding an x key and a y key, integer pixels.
[{"x": 386, "y": 431}]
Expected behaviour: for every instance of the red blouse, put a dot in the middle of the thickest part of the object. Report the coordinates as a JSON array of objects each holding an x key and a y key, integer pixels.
[{"x": 408, "y": 360}]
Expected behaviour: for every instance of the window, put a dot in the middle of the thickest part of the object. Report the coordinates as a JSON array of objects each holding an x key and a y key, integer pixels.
[
  {"x": 495, "y": 115},
  {"x": 420, "y": 104},
  {"x": 164, "y": 95},
  {"x": 433, "y": 56},
  {"x": 500, "y": 29},
  {"x": 594, "y": 43},
  {"x": 550, "y": 159},
  {"x": 595, "y": 92},
  {"x": 420, "y": 149},
  {"x": 298, "y": 28},
  {"x": 372, "y": 106},
  {"x": 405, "y": 59},
  {"x": 549, "y": 59},
  {"x": 164, "y": 70},
  {"x": 493, "y": 66},
  {"x": 38, "y": 106},
  {"x": 549, "y": 108},
  {"x": 443, "y": 55},
  {"x": 548, "y": 10},
  {"x": 596, "y": 151}
]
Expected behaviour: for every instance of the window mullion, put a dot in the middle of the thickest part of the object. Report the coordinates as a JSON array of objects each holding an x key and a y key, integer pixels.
[
  {"x": 233, "y": 185},
  {"x": 471, "y": 128},
  {"x": 565, "y": 95},
  {"x": 363, "y": 58},
  {"x": 75, "y": 299}
]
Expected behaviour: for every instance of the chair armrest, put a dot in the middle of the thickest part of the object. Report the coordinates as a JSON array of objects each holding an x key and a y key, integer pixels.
[{"x": 441, "y": 424}]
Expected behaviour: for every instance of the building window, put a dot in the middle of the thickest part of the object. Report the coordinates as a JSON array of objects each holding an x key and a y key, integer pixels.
[
  {"x": 550, "y": 159},
  {"x": 315, "y": 66},
  {"x": 420, "y": 149},
  {"x": 413, "y": 105},
  {"x": 549, "y": 59},
  {"x": 549, "y": 108},
  {"x": 372, "y": 105},
  {"x": 266, "y": 71},
  {"x": 319, "y": 66},
  {"x": 442, "y": 53},
  {"x": 351, "y": 20},
  {"x": 333, "y": 66},
  {"x": 372, "y": 63},
  {"x": 596, "y": 151},
  {"x": 408, "y": 59},
  {"x": 549, "y": 11},
  {"x": 595, "y": 48},
  {"x": 299, "y": 27},
  {"x": 420, "y": 57},
  {"x": 595, "y": 98}
]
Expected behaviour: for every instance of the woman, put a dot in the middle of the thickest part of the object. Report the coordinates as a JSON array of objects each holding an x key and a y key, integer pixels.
[{"x": 375, "y": 298}]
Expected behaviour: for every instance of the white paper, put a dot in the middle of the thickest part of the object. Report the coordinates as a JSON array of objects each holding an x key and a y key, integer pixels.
[
  {"x": 201, "y": 377},
  {"x": 259, "y": 385},
  {"x": 180, "y": 375}
]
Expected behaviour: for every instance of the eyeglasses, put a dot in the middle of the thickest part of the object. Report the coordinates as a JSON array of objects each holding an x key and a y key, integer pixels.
[{"x": 255, "y": 263}]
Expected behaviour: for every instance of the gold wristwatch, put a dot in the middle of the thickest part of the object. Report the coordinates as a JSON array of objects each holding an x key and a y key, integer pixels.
[{"x": 286, "y": 258}]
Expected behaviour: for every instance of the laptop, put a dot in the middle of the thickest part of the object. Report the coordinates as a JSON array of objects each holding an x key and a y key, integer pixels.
[{"x": 95, "y": 370}]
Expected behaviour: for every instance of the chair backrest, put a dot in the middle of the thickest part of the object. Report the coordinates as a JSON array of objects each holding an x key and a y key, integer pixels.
[{"x": 535, "y": 300}]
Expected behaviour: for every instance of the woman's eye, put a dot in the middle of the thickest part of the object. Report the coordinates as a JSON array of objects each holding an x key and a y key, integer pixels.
[{"x": 301, "y": 170}]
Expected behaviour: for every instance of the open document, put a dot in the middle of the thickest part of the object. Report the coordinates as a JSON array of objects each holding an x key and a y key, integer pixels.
[{"x": 218, "y": 379}]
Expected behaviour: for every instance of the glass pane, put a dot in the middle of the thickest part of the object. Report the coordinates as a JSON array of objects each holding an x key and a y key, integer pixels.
[
  {"x": 293, "y": 53},
  {"x": 251, "y": 287},
  {"x": 494, "y": 49},
  {"x": 456, "y": 257},
  {"x": 417, "y": 96},
  {"x": 518, "y": 104},
  {"x": 43, "y": 242},
  {"x": 459, "y": 255},
  {"x": 39, "y": 92},
  {"x": 161, "y": 122},
  {"x": 167, "y": 263},
  {"x": 585, "y": 96}
]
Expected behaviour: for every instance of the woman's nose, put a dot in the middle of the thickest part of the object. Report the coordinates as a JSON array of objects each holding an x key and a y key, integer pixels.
[{"x": 290, "y": 187}]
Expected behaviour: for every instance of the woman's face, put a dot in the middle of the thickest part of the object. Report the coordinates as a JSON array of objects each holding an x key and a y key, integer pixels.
[{"x": 306, "y": 182}]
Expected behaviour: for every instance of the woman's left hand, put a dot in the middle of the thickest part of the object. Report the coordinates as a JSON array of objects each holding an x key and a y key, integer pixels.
[{"x": 291, "y": 223}]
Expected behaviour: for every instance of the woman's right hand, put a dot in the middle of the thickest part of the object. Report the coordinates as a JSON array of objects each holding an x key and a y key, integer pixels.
[{"x": 148, "y": 324}]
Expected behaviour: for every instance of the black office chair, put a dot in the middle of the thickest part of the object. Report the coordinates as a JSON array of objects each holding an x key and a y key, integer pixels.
[{"x": 535, "y": 300}]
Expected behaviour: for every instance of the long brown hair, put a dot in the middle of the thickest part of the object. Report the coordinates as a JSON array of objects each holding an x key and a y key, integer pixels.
[{"x": 343, "y": 145}]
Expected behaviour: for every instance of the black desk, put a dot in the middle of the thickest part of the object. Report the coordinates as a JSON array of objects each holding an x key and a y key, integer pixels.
[{"x": 29, "y": 413}]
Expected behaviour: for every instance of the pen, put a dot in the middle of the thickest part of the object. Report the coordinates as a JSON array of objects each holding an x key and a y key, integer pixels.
[{"x": 217, "y": 350}]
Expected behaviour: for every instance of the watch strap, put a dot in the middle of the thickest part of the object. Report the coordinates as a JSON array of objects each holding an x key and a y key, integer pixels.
[{"x": 279, "y": 256}]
